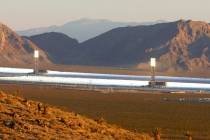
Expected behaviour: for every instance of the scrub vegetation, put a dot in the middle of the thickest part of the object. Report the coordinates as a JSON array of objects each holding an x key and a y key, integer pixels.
[
  {"x": 174, "y": 114},
  {"x": 25, "y": 119}
]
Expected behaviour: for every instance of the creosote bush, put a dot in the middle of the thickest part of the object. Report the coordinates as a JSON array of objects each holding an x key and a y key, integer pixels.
[
  {"x": 100, "y": 120},
  {"x": 156, "y": 133},
  {"x": 188, "y": 134}
]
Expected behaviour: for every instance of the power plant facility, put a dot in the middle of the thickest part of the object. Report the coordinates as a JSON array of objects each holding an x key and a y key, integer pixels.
[
  {"x": 153, "y": 83},
  {"x": 113, "y": 81}
]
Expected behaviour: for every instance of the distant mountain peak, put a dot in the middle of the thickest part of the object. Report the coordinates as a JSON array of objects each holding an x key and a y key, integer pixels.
[{"x": 83, "y": 29}]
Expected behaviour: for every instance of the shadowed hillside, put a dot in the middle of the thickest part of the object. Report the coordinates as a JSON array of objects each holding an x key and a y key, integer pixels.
[
  {"x": 25, "y": 119},
  {"x": 57, "y": 45},
  {"x": 180, "y": 45}
]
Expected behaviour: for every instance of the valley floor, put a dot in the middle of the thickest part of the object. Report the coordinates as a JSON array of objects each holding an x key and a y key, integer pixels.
[{"x": 142, "y": 112}]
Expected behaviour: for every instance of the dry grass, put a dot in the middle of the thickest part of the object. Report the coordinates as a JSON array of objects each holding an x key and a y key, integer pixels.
[
  {"x": 141, "y": 112},
  {"x": 25, "y": 119}
]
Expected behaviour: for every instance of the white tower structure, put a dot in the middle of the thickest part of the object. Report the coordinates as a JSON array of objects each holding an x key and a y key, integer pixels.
[
  {"x": 36, "y": 58},
  {"x": 153, "y": 65}
]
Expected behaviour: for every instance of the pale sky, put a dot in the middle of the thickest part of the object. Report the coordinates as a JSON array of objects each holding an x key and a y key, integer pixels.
[{"x": 24, "y": 14}]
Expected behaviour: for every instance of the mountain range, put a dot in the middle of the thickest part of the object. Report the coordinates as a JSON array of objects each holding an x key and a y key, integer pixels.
[
  {"x": 83, "y": 29},
  {"x": 180, "y": 45}
]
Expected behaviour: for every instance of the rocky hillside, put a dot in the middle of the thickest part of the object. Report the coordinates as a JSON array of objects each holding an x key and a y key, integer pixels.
[
  {"x": 25, "y": 119},
  {"x": 180, "y": 45},
  {"x": 189, "y": 48},
  {"x": 15, "y": 50}
]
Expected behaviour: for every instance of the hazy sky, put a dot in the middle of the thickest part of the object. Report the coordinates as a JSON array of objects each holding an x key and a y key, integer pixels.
[{"x": 23, "y": 14}]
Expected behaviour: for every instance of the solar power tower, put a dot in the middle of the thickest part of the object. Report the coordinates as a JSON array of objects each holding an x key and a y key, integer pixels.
[
  {"x": 153, "y": 65},
  {"x": 36, "y": 59}
]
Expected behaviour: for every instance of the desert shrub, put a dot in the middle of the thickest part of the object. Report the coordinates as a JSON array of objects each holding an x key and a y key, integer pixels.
[
  {"x": 1, "y": 136},
  {"x": 1, "y": 94},
  {"x": 42, "y": 108},
  {"x": 156, "y": 133},
  {"x": 62, "y": 120},
  {"x": 9, "y": 123},
  {"x": 93, "y": 129},
  {"x": 100, "y": 120},
  {"x": 188, "y": 134}
]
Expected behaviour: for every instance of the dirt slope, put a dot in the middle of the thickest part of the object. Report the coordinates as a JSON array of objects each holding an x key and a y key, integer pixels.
[{"x": 25, "y": 119}]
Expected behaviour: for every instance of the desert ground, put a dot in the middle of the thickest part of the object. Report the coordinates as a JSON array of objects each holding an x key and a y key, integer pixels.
[
  {"x": 25, "y": 119},
  {"x": 174, "y": 114}
]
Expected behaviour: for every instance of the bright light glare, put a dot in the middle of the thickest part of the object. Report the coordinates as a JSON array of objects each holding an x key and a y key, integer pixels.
[
  {"x": 36, "y": 54},
  {"x": 153, "y": 62}
]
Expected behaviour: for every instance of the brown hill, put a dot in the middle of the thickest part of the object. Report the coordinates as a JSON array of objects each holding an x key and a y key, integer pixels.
[
  {"x": 180, "y": 45},
  {"x": 189, "y": 49},
  {"x": 57, "y": 45},
  {"x": 24, "y": 119},
  {"x": 17, "y": 51}
]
